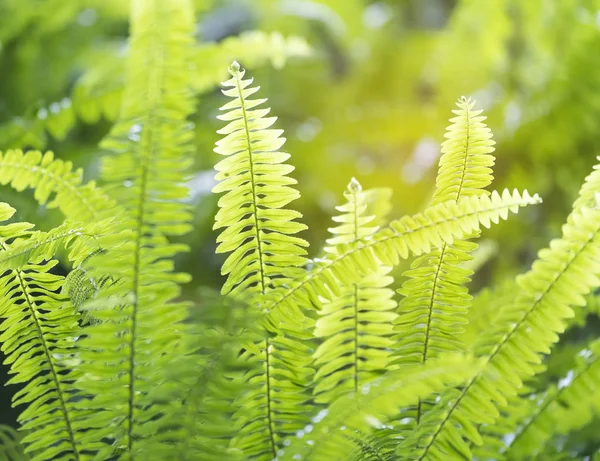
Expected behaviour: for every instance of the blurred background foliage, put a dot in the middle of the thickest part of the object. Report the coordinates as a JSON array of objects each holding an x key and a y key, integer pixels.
[{"x": 362, "y": 88}]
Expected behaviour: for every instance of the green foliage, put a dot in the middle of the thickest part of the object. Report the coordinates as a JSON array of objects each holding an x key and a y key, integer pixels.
[
  {"x": 357, "y": 324},
  {"x": 300, "y": 356}
]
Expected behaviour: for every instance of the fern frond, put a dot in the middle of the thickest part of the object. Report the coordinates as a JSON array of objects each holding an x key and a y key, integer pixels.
[
  {"x": 10, "y": 445},
  {"x": 416, "y": 234},
  {"x": 138, "y": 317},
  {"x": 333, "y": 433},
  {"x": 356, "y": 326},
  {"x": 98, "y": 93},
  {"x": 38, "y": 333},
  {"x": 465, "y": 166},
  {"x": 56, "y": 179},
  {"x": 569, "y": 405},
  {"x": 525, "y": 329},
  {"x": 432, "y": 313},
  {"x": 259, "y": 231}
]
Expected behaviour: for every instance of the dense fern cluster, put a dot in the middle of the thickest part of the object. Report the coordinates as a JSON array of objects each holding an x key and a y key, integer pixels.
[{"x": 297, "y": 359}]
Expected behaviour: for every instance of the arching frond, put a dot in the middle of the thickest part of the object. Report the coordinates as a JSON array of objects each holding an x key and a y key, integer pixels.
[
  {"x": 525, "y": 329},
  {"x": 56, "y": 184},
  {"x": 356, "y": 326},
  {"x": 589, "y": 190},
  {"x": 335, "y": 433},
  {"x": 416, "y": 234},
  {"x": 139, "y": 317}
]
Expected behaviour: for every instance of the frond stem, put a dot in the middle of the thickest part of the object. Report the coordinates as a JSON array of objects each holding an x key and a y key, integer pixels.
[{"x": 263, "y": 285}]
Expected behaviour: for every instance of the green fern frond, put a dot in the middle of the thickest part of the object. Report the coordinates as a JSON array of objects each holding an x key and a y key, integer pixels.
[
  {"x": 99, "y": 91},
  {"x": 38, "y": 333},
  {"x": 335, "y": 433},
  {"x": 567, "y": 406},
  {"x": 465, "y": 165},
  {"x": 525, "y": 329},
  {"x": 432, "y": 314},
  {"x": 56, "y": 179},
  {"x": 416, "y": 234},
  {"x": 10, "y": 445},
  {"x": 259, "y": 231},
  {"x": 138, "y": 317},
  {"x": 356, "y": 326}
]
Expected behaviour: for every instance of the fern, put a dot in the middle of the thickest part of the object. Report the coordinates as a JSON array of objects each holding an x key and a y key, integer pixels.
[
  {"x": 267, "y": 254},
  {"x": 522, "y": 332},
  {"x": 255, "y": 180},
  {"x": 138, "y": 317},
  {"x": 485, "y": 309},
  {"x": 211, "y": 347},
  {"x": 433, "y": 311},
  {"x": 356, "y": 325}
]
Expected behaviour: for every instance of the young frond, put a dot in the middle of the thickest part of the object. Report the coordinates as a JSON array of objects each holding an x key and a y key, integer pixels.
[
  {"x": 416, "y": 234},
  {"x": 356, "y": 326},
  {"x": 433, "y": 311},
  {"x": 525, "y": 329},
  {"x": 336, "y": 433},
  {"x": 259, "y": 232},
  {"x": 56, "y": 184}
]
